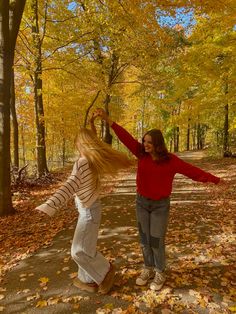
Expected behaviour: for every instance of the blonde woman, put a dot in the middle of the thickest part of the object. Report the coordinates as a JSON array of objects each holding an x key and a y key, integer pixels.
[{"x": 96, "y": 160}]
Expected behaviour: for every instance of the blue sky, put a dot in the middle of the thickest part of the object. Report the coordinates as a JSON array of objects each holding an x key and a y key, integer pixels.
[{"x": 182, "y": 17}]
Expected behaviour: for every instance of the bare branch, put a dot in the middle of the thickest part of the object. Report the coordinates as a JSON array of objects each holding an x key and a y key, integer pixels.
[
  {"x": 45, "y": 22},
  {"x": 62, "y": 69},
  {"x": 62, "y": 21},
  {"x": 127, "y": 82},
  {"x": 24, "y": 58},
  {"x": 65, "y": 45},
  {"x": 23, "y": 39}
]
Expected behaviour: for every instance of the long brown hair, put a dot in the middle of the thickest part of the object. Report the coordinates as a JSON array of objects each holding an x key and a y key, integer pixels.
[
  {"x": 160, "y": 151},
  {"x": 103, "y": 159}
]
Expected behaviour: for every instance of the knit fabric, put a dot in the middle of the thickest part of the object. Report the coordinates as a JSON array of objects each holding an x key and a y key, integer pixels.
[
  {"x": 154, "y": 179},
  {"x": 82, "y": 184}
]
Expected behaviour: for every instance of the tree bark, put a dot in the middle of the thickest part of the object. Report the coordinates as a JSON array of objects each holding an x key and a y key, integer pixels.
[
  {"x": 226, "y": 121},
  {"x": 176, "y": 139},
  {"x": 107, "y": 135},
  {"x": 15, "y": 124},
  {"x": 10, "y": 18},
  {"x": 188, "y": 136},
  {"x": 226, "y": 130},
  {"x": 63, "y": 151},
  {"x": 42, "y": 168},
  {"x": 111, "y": 78}
]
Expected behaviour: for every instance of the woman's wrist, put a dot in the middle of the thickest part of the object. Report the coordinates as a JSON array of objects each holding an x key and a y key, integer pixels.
[{"x": 109, "y": 121}]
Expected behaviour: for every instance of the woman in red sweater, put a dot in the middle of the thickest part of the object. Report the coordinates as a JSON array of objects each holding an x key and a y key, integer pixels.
[{"x": 155, "y": 173}]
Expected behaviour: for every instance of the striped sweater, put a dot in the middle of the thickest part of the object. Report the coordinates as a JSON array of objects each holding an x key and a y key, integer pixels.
[{"x": 82, "y": 184}]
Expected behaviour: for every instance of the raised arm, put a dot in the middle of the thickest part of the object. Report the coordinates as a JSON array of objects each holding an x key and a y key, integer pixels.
[
  {"x": 124, "y": 136},
  {"x": 91, "y": 122}
]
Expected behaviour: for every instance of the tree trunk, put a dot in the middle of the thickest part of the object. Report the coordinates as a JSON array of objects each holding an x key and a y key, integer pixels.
[
  {"x": 9, "y": 27},
  {"x": 194, "y": 136},
  {"x": 226, "y": 121},
  {"x": 226, "y": 130},
  {"x": 198, "y": 135},
  {"x": 15, "y": 124},
  {"x": 176, "y": 139},
  {"x": 107, "y": 135},
  {"x": 171, "y": 144},
  {"x": 188, "y": 136},
  {"x": 23, "y": 145},
  {"x": 42, "y": 168},
  {"x": 111, "y": 78},
  {"x": 63, "y": 151},
  {"x": 5, "y": 83}
]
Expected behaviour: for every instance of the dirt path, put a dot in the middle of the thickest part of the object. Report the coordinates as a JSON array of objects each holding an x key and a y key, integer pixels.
[{"x": 200, "y": 253}]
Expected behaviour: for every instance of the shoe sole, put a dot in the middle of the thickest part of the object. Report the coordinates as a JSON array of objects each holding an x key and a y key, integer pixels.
[
  {"x": 83, "y": 286},
  {"x": 109, "y": 278},
  {"x": 145, "y": 282}
]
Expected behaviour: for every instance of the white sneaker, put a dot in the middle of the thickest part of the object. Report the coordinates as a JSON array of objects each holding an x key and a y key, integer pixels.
[
  {"x": 158, "y": 281},
  {"x": 145, "y": 275}
]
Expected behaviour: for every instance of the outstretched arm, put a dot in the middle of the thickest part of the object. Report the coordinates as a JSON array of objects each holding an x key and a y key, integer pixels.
[
  {"x": 193, "y": 172},
  {"x": 63, "y": 194},
  {"x": 127, "y": 139},
  {"x": 91, "y": 121}
]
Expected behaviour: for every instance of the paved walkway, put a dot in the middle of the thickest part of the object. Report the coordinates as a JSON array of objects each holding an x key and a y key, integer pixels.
[{"x": 197, "y": 279}]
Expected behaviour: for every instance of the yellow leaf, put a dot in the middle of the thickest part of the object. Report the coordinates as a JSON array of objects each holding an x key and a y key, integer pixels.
[
  {"x": 109, "y": 306},
  {"x": 44, "y": 280},
  {"x": 232, "y": 309},
  {"x": 42, "y": 303}
]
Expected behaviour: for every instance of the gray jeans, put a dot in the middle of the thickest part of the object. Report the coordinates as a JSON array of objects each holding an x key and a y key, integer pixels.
[
  {"x": 152, "y": 217},
  {"x": 93, "y": 266}
]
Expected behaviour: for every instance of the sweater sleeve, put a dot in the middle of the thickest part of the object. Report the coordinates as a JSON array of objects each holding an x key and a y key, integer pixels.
[
  {"x": 63, "y": 194},
  {"x": 127, "y": 139},
  {"x": 193, "y": 172}
]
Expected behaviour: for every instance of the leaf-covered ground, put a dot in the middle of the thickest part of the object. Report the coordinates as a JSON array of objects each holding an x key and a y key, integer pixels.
[{"x": 201, "y": 275}]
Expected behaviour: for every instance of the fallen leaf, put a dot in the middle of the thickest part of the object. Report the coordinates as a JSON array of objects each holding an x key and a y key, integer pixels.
[{"x": 42, "y": 303}]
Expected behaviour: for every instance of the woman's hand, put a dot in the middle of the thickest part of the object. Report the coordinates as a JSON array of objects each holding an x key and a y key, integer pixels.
[
  {"x": 91, "y": 121},
  {"x": 103, "y": 115},
  {"x": 93, "y": 117}
]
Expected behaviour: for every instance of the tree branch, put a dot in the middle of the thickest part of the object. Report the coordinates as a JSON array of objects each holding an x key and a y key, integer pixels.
[
  {"x": 89, "y": 107},
  {"x": 45, "y": 22}
]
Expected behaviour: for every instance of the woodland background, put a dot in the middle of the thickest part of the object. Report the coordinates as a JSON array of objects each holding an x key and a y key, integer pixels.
[
  {"x": 163, "y": 64},
  {"x": 168, "y": 64}
]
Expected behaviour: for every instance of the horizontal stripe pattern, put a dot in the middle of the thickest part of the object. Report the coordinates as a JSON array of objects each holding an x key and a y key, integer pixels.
[{"x": 82, "y": 184}]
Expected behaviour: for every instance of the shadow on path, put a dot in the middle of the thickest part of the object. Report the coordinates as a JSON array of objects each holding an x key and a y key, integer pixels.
[{"x": 200, "y": 252}]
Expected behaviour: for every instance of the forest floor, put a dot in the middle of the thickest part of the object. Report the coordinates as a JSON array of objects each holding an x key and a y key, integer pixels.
[{"x": 37, "y": 270}]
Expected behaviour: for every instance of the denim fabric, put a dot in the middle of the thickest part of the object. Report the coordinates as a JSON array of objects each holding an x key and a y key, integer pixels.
[
  {"x": 93, "y": 266},
  {"x": 152, "y": 218}
]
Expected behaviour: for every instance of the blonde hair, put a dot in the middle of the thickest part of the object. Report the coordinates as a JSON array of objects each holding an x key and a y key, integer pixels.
[{"x": 103, "y": 159}]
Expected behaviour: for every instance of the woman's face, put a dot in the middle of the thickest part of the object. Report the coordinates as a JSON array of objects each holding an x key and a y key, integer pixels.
[{"x": 147, "y": 143}]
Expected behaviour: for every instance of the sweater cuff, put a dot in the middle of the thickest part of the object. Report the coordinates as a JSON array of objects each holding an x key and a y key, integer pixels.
[{"x": 46, "y": 209}]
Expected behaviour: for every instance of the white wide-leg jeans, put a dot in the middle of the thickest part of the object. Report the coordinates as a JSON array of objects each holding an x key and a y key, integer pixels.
[{"x": 93, "y": 266}]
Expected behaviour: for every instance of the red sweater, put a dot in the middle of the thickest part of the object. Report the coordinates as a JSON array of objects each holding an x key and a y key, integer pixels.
[{"x": 154, "y": 180}]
